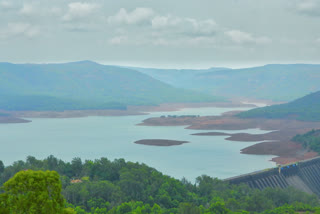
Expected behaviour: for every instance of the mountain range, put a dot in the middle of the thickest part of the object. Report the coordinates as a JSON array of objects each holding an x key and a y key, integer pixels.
[
  {"x": 277, "y": 82},
  {"x": 84, "y": 85},
  {"x": 89, "y": 85}
]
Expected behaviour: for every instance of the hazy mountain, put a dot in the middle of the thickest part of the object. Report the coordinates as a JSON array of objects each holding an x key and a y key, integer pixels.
[
  {"x": 305, "y": 108},
  {"x": 181, "y": 78},
  {"x": 275, "y": 82},
  {"x": 83, "y": 85}
]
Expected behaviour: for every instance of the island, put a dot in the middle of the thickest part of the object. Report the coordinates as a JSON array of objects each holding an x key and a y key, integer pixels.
[
  {"x": 160, "y": 142},
  {"x": 278, "y": 141}
]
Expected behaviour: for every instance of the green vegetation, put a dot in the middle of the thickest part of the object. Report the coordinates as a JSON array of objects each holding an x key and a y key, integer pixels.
[
  {"x": 84, "y": 85},
  {"x": 306, "y": 108},
  {"x": 310, "y": 140},
  {"x": 119, "y": 187},
  {"x": 34, "y": 192}
]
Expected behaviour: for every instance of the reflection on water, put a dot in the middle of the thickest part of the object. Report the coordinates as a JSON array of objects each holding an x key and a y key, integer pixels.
[{"x": 113, "y": 137}]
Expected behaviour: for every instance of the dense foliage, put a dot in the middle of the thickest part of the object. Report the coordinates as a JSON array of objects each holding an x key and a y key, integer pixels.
[
  {"x": 33, "y": 192},
  {"x": 310, "y": 140},
  {"x": 83, "y": 85},
  {"x": 117, "y": 187},
  {"x": 306, "y": 108}
]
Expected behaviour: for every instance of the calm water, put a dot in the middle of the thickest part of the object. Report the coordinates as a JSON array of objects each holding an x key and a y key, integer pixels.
[{"x": 113, "y": 137}]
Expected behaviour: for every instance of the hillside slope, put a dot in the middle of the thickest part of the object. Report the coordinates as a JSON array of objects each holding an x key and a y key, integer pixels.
[
  {"x": 83, "y": 85},
  {"x": 309, "y": 140},
  {"x": 305, "y": 108},
  {"x": 274, "y": 82},
  {"x": 181, "y": 78}
]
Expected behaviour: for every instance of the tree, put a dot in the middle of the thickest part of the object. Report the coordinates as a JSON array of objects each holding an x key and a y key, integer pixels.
[
  {"x": 34, "y": 192},
  {"x": 219, "y": 208},
  {"x": 1, "y": 167},
  {"x": 52, "y": 162},
  {"x": 76, "y": 165},
  {"x": 156, "y": 209},
  {"x": 187, "y": 208}
]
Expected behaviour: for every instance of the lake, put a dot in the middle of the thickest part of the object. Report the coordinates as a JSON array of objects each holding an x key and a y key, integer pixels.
[{"x": 114, "y": 137}]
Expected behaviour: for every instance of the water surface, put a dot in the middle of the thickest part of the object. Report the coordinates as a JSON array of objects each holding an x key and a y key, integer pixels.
[{"x": 113, "y": 137}]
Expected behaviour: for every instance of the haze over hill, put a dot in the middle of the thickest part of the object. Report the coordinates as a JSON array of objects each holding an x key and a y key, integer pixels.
[
  {"x": 278, "y": 82},
  {"x": 181, "y": 78},
  {"x": 89, "y": 85},
  {"x": 84, "y": 85},
  {"x": 305, "y": 108}
]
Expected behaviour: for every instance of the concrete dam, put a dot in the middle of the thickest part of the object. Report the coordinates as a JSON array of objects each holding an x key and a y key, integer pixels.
[{"x": 303, "y": 175}]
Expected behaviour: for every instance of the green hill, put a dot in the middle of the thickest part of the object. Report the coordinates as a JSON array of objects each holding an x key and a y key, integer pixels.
[
  {"x": 309, "y": 140},
  {"x": 83, "y": 85},
  {"x": 306, "y": 108}
]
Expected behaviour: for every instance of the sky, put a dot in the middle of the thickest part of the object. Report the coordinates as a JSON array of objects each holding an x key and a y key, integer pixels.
[{"x": 161, "y": 33}]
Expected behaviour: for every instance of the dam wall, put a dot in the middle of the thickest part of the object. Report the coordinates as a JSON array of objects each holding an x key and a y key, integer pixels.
[{"x": 303, "y": 175}]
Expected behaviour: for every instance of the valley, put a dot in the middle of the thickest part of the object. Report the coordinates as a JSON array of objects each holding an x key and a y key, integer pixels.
[
  {"x": 165, "y": 101},
  {"x": 160, "y": 107}
]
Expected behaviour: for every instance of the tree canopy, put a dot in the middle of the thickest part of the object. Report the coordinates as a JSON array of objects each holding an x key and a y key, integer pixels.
[
  {"x": 33, "y": 192},
  {"x": 120, "y": 187}
]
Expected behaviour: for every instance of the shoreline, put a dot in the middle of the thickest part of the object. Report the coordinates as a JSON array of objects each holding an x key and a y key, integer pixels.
[
  {"x": 277, "y": 142},
  {"x": 10, "y": 120},
  {"x": 16, "y": 116}
]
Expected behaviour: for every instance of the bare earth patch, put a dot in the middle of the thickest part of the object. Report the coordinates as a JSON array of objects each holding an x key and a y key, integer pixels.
[
  {"x": 13, "y": 120},
  {"x": 131, "y": 110},
  {"x": 277, "y": 142}
]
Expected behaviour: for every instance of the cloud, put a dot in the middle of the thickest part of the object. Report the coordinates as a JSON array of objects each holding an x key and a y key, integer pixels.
[
  {"x": 185, "y": 41},
  {"x": 118, "y": 40},
  {"x": 165, "y": 21},
  {"x": 183, "y": 25},
  {"x": 139, "y": 40},
  {"x": 79, "y": 10},
  {"x": 137, "y": 16},
  {"x": 56, "y": 11},
  {"x": 27, "y": 10},
  {"x": 6, "y": 5},
  {"x": 318, "y": 41},
  {"x": 37, "y": 10},
  {"x": 307, "y": 7},
  {"x": 19, "y": 29},
  {"x": 162, "y": 30},
  {"x": 240, "y": 37}
]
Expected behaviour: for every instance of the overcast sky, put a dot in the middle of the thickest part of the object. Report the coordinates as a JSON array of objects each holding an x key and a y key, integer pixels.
[{"x": 161, "y": 33}]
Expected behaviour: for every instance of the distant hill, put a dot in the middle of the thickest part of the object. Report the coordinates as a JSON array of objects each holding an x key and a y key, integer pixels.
[
  {"x": 306, "y": 108},
  {"x": 181, "y": 78},
  {"x": 83, "y": 85},
  {"x": 274, "y": 82}
]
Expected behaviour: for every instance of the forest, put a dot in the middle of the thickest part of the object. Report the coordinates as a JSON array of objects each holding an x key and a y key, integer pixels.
[
  {"x": 309, "y": 140},
  {"x": 306, "y": 108},
  {"x": 119, "y": 187}
]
